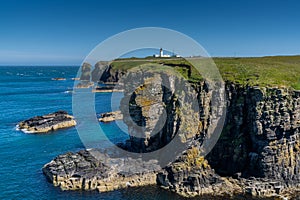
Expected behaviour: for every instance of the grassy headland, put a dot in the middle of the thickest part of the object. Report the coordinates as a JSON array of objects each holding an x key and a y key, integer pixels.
[{"x": 273, "y": 71}]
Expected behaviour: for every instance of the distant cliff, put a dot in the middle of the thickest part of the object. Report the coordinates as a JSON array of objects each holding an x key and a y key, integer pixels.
[{"x": 103, "y": 72}]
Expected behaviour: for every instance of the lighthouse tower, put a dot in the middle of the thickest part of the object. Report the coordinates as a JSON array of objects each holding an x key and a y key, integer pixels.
[{"x": 161, "y": 52}]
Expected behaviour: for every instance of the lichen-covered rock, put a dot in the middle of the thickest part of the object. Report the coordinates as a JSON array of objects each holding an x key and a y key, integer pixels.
[
  {"x": 46, "y": 123},
  {"x": 159, "y": 106}
]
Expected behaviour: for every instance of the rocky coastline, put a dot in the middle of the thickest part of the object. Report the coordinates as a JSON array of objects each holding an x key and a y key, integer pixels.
[
  {"x": 257, "y": 154},
  {"x": 46, "y": 123}
]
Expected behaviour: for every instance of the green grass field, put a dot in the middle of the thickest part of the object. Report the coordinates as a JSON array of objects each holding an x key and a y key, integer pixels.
[
  {"x": 275, "y": 71},
  {"x": 281, "y": 71}
]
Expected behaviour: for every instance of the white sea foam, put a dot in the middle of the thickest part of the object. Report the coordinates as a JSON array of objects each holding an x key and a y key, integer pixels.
[
  {"x": 68, "y": 91},
  {"x": 26, "y": 131},
  {"x": 23, "y": 130}
]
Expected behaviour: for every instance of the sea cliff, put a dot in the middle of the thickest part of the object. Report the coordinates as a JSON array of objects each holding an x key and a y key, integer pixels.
[{"x": 257, "y": 154}]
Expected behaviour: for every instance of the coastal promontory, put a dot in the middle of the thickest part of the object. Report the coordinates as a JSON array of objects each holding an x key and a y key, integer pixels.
[{"x": 257, "y": 153}]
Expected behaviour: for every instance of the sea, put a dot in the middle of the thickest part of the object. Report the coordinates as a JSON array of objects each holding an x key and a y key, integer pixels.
[{"x": 28, "y": 91}]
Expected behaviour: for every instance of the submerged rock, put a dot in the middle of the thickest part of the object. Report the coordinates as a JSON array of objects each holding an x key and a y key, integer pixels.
[{"x": 46, "y": 123}]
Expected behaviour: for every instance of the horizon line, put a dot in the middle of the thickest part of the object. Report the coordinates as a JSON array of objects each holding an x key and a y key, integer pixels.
[{"x": 78, "y": 65}]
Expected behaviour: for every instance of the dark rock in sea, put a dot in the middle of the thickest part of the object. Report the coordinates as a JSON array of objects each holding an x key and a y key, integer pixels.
[
  {"x": 46, "y": 123},
  {"x": 108, "y": 88}
]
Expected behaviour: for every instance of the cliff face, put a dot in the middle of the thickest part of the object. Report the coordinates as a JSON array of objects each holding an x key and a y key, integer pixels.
[
  {"x": 103, "y": 72},
  {"x": 259, "y": 146},
  {"x": 155, "y": 113},
  {"x": 260, "y": 138},
  {"x": 261, "y": 135}
]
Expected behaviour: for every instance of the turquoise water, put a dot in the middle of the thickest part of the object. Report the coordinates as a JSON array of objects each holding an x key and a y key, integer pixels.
[{"x": 29, "y": 91}]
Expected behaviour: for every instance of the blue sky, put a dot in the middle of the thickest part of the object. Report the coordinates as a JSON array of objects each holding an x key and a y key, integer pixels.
[{"x": 63, "y": 32}]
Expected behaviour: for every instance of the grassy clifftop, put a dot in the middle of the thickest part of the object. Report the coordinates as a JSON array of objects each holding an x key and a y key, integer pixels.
[
  {"x": 275, "y": 71},
  {"x": 264, "y": 71}
]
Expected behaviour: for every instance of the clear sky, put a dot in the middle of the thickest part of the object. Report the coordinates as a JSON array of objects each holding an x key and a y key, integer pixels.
[{"x": 63, "y": 32}]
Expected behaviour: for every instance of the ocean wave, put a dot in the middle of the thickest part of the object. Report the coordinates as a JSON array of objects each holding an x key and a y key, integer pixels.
[{"x": 68, "y": 92}]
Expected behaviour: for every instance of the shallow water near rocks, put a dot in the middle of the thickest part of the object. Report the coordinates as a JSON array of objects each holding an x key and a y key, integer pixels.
[{"x": 29, "y": 91}]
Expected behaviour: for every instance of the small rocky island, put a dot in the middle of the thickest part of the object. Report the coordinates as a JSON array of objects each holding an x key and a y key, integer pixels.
[
  {"x": 58, "y": 79},
  {"x": 46, "y": 123},
  {"x": 111, "y": 116}
]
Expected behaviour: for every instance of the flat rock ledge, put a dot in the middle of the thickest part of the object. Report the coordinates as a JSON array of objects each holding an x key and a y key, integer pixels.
[
  {"x": 111, "y": 116},
  {"x": 46, "y": 123},
  {"x": 82, "y": 171},
  {"x": 194, "y": 185}
]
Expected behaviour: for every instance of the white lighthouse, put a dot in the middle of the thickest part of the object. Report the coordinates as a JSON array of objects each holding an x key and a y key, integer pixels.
[{"x": 161, "y": 54}]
